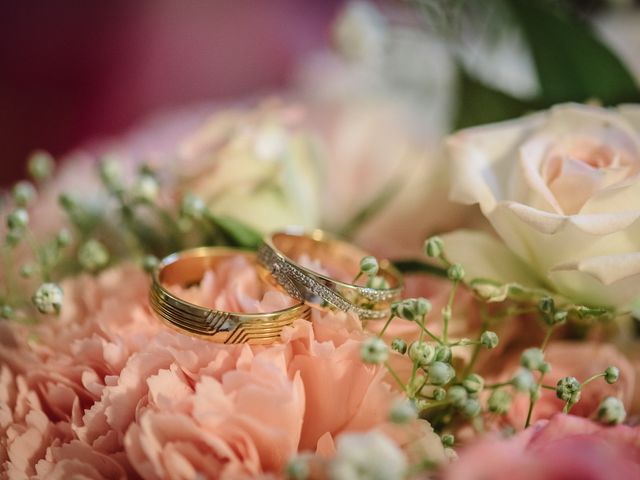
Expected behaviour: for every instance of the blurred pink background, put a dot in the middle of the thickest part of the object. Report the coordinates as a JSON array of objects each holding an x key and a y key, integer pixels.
[{"x": 74, "y": 70}]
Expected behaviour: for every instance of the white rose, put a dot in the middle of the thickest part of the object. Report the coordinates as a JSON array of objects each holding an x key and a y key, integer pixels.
[
  {"x": 562, "y": 190},
  {"x": 258, "y": 166}
]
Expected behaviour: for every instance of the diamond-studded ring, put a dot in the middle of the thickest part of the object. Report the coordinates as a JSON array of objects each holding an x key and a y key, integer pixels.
[
  {"x": 187, "y": 268},
  {"x": 302, "y": 263}
]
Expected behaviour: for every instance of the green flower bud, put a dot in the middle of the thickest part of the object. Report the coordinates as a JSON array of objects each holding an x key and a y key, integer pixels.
[
  {"x": 443, "y": 353},
  {"x": 298, "y": 468},
  {"x": 471, "y": 408},
  {"x": 14, "y": 237},
  {"x": 110, "y": 172},
  {"x": 369, "y": 266},
  {"x": 433, "y": 247},
  {"x": 402, "y": 411},
  {"x": 455, "y": 272},
  {"x": 489, "y": 339},
  {"x": 568, "y": 389},
  {"x": 377, "y": 283},
  {"x": 26, "y": 271},
  {"x": 93, "y": 255},
  {"x": 23, "y": 193},
  {"x": 63, "y": 238},
  {"x": 611, "y": 374},
  {"x": 547, "y": 305},
  {"x": 422, "y": 306},
  {"x": 558, "y": 318},
  {"x": 422, "y": 353},
  {"x": 499, "y": 401},
  {"x": 18, "y": 219},
  {"x": 532, "y": 358},
  {"x": 149, "y": 263},
  {"x": 535, "y": 393},
  {"x": 611, "y": 411},
  {"x": 448, "y": 440},
  {"x": 48, "y": 298},
  {"x": 399, "y": 345},
  {"x": 407, "y": 309},
  {"x": 146, "y": 189},
  {"x": 439, "y": 394},
  {"x": 457, "y": 395},
  {"x": 545, "y": 367},
  {"x": 473, "y": 382},
  {"x": 374, "y": 350},
  {"x": 67, "y": 202},
  {"x": 192, "y": 207},
  {"x": 40, "y": 165},
  {"x": 440, "y": 373},
  {"x": 6, "y": 312},
  {"x": 523, "y": 380}
]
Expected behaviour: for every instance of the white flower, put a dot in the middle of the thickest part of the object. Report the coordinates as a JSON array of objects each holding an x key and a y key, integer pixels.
[
  {"x": 562, "y": 189},
  {"x": 257, "y": 165},
  {"x": 367, "y": 456}
]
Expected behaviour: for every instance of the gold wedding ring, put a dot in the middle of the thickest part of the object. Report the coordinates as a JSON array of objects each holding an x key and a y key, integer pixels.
[
  {"x": 280, "y": 254},
  {"x": 187, "y": 268}
]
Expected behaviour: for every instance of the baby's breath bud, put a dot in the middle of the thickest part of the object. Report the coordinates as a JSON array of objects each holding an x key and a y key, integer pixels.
[
  {"x": 439, "y": 394},
  {"x": 448, "y": 440},
  {"x": 558, "y": 318},
  {"x": 406, "y": 309},
  {"x": 443, "y": 353},
  {"x": 547, "y": 305},
  {"x": 6, "y": 312},
  {"x": 18, "y": 219},
  {"x": 192, "y": 206},
  {"x": 422, "y": 353},
  {"x": 433, "y": 247},
  {"x": 545, "y": 367},
  {"x": 149, "y": 263},
  {"x": 473, "y": 382},
  {"x": 93, "y": 255},
  {"x": 455, "y": 272},
  {"x": 535, "y": 393},
  {"x": 23, "y": 193},
  {"x": 14, "y": 236},
  {"x": 499, "y": 401},
  {"x": 423, "y": 306},
  {"x": 110, "y": 172},
  {"x": 440, "y": 373},
  {"x": 611, "y": 374},
  {"x": 374, "y": 350},
  {"x": 40, "y": 165},
  {"x": 402, "y": 411},
  {"x": 63, "y": 238},
  {"x": 489, "y": 339},
  {"x": 298, "y": 468},
  {"x": 457, "y": 395},
  {"x": 399, "y": 345},
  {"x": 523, "y": 380},
  {"x": 611, "y": 411},
  {"x": 48, "y": 298},
  {"x": 66, "y": 201},
  {"x": 369, "y": 266},
  {"x": 26, "y": 271},
  {"x": 568, "y": 389},
  {"x": 146, "y": 188},
  {"x": 471, "y": 408},
  {"x": 532, "y": 358},
  {"x": 377, "y": 283}
]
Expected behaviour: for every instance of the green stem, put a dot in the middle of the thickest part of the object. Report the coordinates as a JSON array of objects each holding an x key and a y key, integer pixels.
[
  {"x": 387, "y": 323},
  {"x": 357, "y": 277},
  {"x": 445, "y": 330},
  {"x": 395, "y": 376},
  {"x": 532, "y": 402},
  {"x": 546, "y": 338},
  {"x": 593, "y": 377},
  {"x": 425, "y": 330},
  {"x": 414, "y": 368},
  {"x": 497, "y": 385}
]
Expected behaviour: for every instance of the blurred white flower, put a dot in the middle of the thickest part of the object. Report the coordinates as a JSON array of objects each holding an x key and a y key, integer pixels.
[{"x": 367, "y": 456}]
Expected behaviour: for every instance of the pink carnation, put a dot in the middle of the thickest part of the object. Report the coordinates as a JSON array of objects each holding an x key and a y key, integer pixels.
[
  {"x": 107, "y": 390},
  {"x": 564, "y": 447}
]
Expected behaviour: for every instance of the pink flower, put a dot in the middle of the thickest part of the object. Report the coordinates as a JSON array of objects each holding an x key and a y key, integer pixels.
[
  {"x": 107, "y": 390},
  {"x": 564, "y": 447}
]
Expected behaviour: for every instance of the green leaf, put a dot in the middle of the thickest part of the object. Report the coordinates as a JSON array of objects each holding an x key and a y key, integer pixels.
[
  {"x": 478, "y": 103},
  {"x": 573, "y": 64},
  {"x": 238, "y": 233}
]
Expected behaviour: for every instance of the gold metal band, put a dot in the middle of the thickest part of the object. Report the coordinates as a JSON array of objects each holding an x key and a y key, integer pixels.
[
  {"x": 187, "y": 268},
  {"x": 278, "y": 255}
]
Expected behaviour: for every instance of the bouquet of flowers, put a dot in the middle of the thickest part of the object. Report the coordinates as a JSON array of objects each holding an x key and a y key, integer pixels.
[{"x": 450, "y": 305}]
